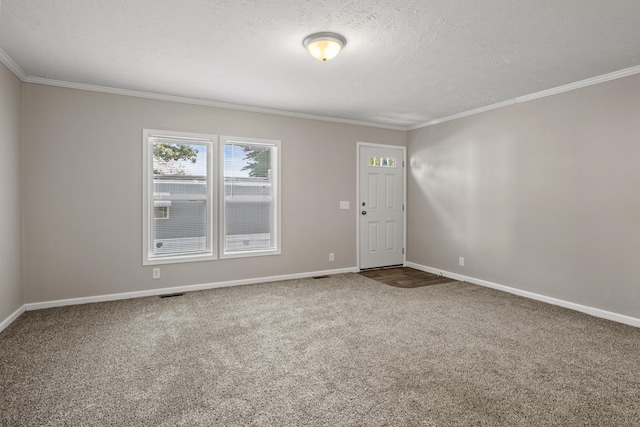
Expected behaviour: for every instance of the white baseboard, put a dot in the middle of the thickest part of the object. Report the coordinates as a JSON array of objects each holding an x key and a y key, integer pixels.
[
  {"x": 9, "y": 320},
  {"x": 620, "y": 318},
  {"x": 186, "y": 288}
]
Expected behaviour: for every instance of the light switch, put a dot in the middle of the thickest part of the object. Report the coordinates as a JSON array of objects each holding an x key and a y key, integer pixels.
[{"x": 344, "y": 205}]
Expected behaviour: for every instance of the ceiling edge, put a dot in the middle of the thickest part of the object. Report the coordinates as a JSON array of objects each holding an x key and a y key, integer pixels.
[
  {"x": 548, "y": 92},
  {"x": 15, "y": 69},
  {"x": 7, "y": 61},
  {"x": 203, "y": 102}
]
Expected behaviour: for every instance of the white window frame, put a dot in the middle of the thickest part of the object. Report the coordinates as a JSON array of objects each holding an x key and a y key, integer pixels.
[
  {"x": 211, "y": 252},
  {"x": 165, "y": 212},
  {"x": 275, "y": 192}
]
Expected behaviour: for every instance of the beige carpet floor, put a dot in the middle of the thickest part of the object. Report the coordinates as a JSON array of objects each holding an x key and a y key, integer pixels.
[{"x": 340, "y": 351}]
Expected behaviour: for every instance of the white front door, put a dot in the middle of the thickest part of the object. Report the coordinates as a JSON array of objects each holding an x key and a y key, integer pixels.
[{"x": 381, "y": 205}]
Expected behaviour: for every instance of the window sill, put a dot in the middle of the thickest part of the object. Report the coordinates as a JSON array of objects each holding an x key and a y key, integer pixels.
[
  {"x": 180, "y": 259},
  {"x": 250, "y": 254}
]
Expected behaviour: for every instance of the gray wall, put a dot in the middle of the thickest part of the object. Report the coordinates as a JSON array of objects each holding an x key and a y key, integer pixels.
[
  {"x": 10, "y": 195},
  {"x": 83, "y": 189},
  {"x": 542, "y": 196}
]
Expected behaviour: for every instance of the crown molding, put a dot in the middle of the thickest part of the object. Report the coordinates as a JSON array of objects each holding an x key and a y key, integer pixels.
[
  {"x": 11, "y": 65},
  {"x": 15, "y": 69},
  {"x": 6, "y": 60},
  {"x": 203, "y": 102},
  {"x": 553, "y": 91}
]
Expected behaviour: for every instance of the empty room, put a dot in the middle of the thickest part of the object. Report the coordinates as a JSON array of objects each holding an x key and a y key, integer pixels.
[{"x": 337, "y": 213}]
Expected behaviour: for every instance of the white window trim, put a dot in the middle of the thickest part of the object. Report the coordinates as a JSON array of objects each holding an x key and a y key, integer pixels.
[
  {"x": 166, "y": 211},
  {"x": 147, "y": 190},
  {"x": 275, "y": 189}
]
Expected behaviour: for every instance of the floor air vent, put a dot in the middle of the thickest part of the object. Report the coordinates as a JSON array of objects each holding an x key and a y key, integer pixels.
[
  {"x": 172, "y": 295},
  {"x": 320, "y": 277}
]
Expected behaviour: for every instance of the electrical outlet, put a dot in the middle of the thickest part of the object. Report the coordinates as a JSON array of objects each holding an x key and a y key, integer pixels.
[
  {"x": 331, "y": 257},
  {"x": 344, "y": 204},
  {"x": 156, "y": 273},
  {"x": 461, "y": 261}
]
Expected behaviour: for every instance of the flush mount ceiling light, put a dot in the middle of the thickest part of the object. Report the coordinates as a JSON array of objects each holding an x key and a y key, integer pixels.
[{"x": 324, "y": 46}]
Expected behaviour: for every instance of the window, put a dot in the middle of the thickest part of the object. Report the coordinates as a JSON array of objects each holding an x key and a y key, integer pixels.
[
  {"x": 181, "y": 220},
  {"x": 385, "y": 162},
  {"x": 178, "y": 176},
  {"x": 250, "y": 205},
  {"x": 161, "y": 212}
]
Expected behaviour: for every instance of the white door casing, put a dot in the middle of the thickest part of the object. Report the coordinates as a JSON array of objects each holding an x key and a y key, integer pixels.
[{"x": 381, "y": 198}]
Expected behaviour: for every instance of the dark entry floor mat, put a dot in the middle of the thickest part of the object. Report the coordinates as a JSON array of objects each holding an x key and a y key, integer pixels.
[{"x": 405, "y": 277}]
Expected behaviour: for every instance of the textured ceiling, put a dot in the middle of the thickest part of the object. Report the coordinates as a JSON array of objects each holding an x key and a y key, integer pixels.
[{"x": 406, "y": 62}]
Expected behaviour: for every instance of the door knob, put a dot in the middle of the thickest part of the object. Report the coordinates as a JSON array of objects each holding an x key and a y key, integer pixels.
[{"x": 364, "y": 212}]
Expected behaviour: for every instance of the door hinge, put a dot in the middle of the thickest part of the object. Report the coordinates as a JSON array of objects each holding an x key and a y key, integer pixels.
[
  {"x": 402, "y": 208},
  {"x": 403, "y": 163},
  {"x": 402, "y": 251}
]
